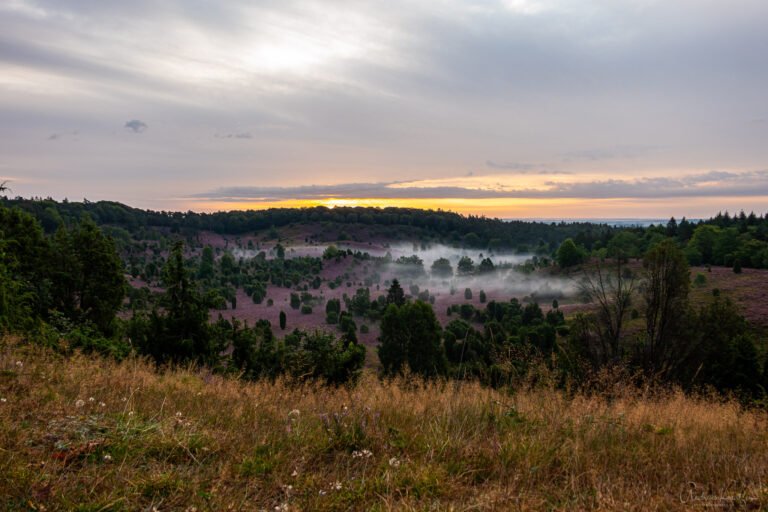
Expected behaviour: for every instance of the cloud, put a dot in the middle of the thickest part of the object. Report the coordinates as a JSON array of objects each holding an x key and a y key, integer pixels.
[
  {"x": 611, "y": 153},
  {"x": 136, "y": 126},
  {"x": 240, "y": 135},
  {"x": 710, "y": 184},
  {"x": 523, "y": 168},
  {"x": 61, "y": 135}
]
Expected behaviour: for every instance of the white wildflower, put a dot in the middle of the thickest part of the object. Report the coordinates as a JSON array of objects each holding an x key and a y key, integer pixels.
[
  {"x": 19, "y": 364},
  {"x": 321, "y": 492},
  {"x": 336, "y": 485},
  {"x": 130, "y": 413},
  {"x": 79, "y": 403},
  {"x": 178, "y": 414},
  {"x": 362, "y": 454},
  {"x": 295, "y": 473},
  {"x": 91, "y": 399},
  {"x": 394, "y": 462},
  {"x": 3, "y": 400},
  {"x": 294, "y": 412},
  {"x": 102, "y": 404},
  {"x": 107, "y": 457}
]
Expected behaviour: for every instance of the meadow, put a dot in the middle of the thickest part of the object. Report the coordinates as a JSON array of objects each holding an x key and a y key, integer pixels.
[{"x": 86, "y": 433}]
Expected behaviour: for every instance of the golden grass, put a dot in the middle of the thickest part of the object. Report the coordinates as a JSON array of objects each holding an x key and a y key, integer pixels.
[{"x": 90, "y": 434}]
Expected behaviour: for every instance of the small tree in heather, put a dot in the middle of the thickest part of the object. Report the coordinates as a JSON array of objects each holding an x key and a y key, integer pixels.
[
  {"x": 569, "y": 254},
  {"x": 282, "y": 320},
  {"x": 410, "y": 335},
  {"x": 465, "y": 266},
  {"x": 395, "y": 294},
  {"x": 468, "y": 294},
  {"x": 441, "y": 267}
]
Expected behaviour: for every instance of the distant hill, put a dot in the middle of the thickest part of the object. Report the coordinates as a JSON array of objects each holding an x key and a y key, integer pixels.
[{"x": 395, "y": 223}]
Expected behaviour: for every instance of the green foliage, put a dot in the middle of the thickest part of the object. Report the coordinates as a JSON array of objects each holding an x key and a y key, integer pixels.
[
  {"x": 486, "y": 266},
  {"x": 569, "y": 254},
  {"x": 395, "y": 294},
  {"x": 332, "y": 252},
  {"x": 465, "y": 266},
  {"x": 360, "y": 302},
  {"x": 665, "y": 292},
  {"x": 180, "y": 332},
  {"x": 441, "y": 268},
  {"x": 410, "y": 336}
]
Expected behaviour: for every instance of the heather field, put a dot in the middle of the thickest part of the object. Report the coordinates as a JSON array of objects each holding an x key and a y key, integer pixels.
[{"x": 86, "y": 433}]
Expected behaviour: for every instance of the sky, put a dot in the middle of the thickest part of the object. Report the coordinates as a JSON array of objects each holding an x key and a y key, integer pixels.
[{"x": 506, "y": 108}]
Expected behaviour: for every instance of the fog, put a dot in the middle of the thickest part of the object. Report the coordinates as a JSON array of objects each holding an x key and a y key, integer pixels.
[
  {"x": 513, "y": 274},
  {"x": 499, "y": 284}
]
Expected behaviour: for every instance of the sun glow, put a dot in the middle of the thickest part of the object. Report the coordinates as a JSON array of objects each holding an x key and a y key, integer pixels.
[{"x": 522, "y": 208}]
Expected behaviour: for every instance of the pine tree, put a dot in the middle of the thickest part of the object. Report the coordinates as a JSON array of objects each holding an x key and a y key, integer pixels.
[{"x": 395, "y": 294}]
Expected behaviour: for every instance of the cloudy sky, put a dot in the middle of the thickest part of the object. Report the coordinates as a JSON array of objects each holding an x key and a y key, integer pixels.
[{"x": 511, "y": 108}]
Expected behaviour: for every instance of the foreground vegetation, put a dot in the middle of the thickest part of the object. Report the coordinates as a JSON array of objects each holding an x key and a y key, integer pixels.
[{"x": 86, "y": 433}]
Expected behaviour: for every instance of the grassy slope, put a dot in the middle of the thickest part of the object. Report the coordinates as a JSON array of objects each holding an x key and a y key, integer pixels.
[{"x": 186, "y": 440}]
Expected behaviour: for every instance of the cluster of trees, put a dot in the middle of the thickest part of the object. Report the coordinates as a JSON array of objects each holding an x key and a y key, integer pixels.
[
  {"x": 512, "y": 336},
  {"x": 180, "y": 331},
  {"x": 73, "y": 277},
  {"x": 66, "y": 288},
  {"x": 708, "y": 345},
  {"x": 733, "y": 241}
]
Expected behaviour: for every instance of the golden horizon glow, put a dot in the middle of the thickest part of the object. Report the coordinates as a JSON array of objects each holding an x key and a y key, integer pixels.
[{"x": 523, "y": 208}]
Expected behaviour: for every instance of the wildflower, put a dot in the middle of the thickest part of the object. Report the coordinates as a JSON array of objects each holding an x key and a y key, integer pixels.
[
  {"x": 79, "y": 403},
  {"x": 362, "y": 454},
  {"x": 107, "y": 458},
  {"x": 91, "y": 399},
  {"x": 130, "y": 413},
  {"x": 102, "y": 404},
  {"x": 19, "y": 364},
  {"x": 321, "y": 492},
  {"x": 178, "y": 414},
  {"x": 3, "y": 400},
  {"x": 295, "y": 473},
  {"x": 394, "y": 462},
  {"x": 294, "y": 412},
  {"x": 124, "y": 399},
  {"x": 336, "y": 486}
]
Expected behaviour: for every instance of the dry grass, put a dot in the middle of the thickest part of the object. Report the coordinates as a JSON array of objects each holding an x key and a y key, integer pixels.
[{"x": 186, "y": 440}]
